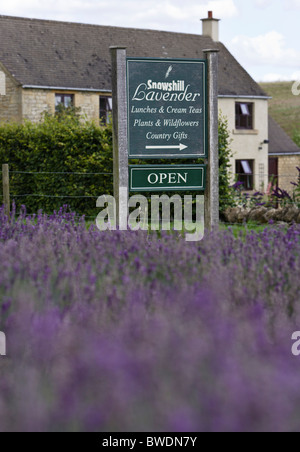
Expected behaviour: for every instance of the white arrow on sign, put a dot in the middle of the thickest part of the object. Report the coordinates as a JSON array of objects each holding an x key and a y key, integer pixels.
[{"x": 180, "y": 146}]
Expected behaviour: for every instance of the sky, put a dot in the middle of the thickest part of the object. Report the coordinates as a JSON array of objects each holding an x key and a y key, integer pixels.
[{"x": 264, "y": 35}]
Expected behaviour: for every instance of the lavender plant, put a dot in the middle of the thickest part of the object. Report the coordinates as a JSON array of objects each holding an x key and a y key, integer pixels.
[
  {"x": 124, "y": 331},
  {"x": 274, "y": 196},
  {"x": 296, "y": 192}
]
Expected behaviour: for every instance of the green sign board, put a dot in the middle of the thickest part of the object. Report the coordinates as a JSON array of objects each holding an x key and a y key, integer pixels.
[
  {"x": 167, "y": 108},
  {"x": 167, "y": 177}
]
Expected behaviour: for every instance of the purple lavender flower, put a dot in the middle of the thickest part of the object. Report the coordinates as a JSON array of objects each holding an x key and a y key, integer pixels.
[{"x": 124, "y": 331}]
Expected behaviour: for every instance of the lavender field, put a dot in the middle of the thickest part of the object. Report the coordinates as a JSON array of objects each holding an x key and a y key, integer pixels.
[{"x": 124, "y": 331}]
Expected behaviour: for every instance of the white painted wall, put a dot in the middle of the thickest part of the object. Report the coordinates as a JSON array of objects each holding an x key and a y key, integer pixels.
[{"x": 246, "y": 143}]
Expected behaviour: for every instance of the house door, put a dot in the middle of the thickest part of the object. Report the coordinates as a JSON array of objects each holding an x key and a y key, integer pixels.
[{"x": 273, "y": 171}]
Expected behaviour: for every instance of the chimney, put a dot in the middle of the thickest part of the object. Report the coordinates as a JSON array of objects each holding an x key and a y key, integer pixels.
[{"x": 210, "y": 27}]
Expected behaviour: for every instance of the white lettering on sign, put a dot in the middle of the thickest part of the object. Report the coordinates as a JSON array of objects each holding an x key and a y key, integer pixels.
[
  {"x": 158, "y": 136},
  {"x": 180, "y": 135},
  {"x": 196, "y": 110},
  {"x": 144, "y": 110},
  {"x": 177, "y": 110},
  {"x": 162, "y": 178},
  {"x": 150, "y": 178},
  {"x": 184, "y": 179},
  {"x": 2, "y": 84},
  {"x": 140, "y": 123},
  {"x": 179, "y": 123},
  {"x": 167, "y": 86},
  {"x": 142, "y": 93},
  {"x": 171, "y": 178}
]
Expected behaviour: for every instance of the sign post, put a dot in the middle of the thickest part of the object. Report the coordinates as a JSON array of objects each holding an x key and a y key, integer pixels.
[
  {"x": 166, "y": 109},
  {"x": 119, "y": 117},
  {"x": 211, "y": 196}
]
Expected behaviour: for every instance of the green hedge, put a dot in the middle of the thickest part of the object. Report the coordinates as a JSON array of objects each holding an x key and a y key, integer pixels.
[{"x": 63, "y": 146}]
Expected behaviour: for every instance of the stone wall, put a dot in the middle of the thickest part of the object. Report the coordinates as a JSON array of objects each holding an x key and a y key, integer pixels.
[
  {"x": 262, "y": 215},
  {"x": 10, "y": 99},
  {"x": 89, "y": 104},
  {"x": 287, "y": 170},
  {"x": 35, "y": 102},
  {"x": 17, "y": 103}
]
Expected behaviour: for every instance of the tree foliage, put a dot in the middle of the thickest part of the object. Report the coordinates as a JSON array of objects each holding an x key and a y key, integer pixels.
[{"x": 225, "y": 153}]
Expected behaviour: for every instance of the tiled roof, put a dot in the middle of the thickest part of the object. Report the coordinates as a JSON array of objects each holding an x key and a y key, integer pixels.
[
  {"x": 71, "y": 55},
  {"x": 280, "y": 142}
]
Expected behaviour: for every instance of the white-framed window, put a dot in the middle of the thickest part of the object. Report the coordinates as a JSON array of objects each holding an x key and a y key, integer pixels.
[
  {"x": 244, "y": 170},
  {"x": 244, "y": 115}
]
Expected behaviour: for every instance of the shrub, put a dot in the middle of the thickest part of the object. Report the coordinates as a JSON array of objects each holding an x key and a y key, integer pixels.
[
  {"x": 64, "y": 145},
  {"x": 274, "y": 197},
  {"x": 225, "y": 153}
]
